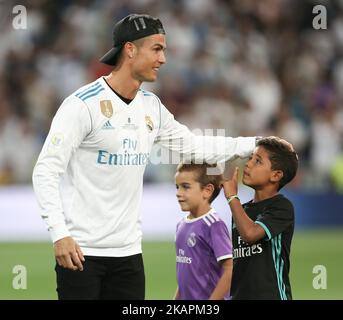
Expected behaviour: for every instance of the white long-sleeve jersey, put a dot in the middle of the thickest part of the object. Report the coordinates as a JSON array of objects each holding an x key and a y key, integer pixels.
[{"x": 89, "y": 175}]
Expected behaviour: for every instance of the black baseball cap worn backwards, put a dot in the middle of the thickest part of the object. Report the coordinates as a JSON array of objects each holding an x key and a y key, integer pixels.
[{"x": 130, "y": 28}]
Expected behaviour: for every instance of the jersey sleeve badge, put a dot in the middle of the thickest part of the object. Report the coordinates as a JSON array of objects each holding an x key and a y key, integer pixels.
[{"x": 106, "y": 108}]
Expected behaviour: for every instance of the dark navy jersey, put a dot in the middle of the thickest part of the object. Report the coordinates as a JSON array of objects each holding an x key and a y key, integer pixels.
[{"x": 261, "y": 270}]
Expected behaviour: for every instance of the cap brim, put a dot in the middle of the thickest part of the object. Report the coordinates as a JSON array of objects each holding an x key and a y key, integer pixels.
[{"x": 111, "y": 56}]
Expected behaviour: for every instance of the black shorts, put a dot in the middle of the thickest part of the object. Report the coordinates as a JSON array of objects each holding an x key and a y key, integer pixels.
[{"x": 117, "y": 278}]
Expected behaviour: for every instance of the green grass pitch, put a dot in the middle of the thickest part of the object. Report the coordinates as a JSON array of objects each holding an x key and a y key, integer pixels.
[{"x": 310, "y": 248}]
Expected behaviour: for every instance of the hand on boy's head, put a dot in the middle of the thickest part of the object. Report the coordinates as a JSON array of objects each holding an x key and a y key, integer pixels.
[{"x": 230, "y": 186}]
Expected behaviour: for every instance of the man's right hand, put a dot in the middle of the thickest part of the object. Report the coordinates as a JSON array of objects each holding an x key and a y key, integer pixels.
[{"x": 68, "y": 254}]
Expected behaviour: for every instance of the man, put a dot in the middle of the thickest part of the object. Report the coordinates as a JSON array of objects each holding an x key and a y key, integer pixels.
[{"x": 89, "y": 176}]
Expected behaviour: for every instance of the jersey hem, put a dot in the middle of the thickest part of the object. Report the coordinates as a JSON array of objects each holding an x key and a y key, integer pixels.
[{"x": 111, "y": 252}]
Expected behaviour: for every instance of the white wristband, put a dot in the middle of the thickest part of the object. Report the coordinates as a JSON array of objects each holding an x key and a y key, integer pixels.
[{"x": 229, "y": 199}]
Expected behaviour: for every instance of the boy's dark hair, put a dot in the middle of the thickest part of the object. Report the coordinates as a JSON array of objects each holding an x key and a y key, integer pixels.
[
  {"x": 282, "y": 157},
  {"x": 202, "y": 176}
]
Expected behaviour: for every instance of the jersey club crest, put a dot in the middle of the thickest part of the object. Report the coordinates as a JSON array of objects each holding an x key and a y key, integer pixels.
[
  {"x": 106, "y": 108},
  {"x": 149, "y": 123},
  {"x": 191, "y": 241}
]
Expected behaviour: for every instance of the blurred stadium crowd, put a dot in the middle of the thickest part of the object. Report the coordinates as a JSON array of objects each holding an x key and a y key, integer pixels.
[{"x": 251, "y": 67}]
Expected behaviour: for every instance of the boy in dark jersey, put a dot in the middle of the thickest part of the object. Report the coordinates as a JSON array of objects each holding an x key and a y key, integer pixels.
[
  {"x": 262, "y": 229},
  {"x": 203, "y": 245}
]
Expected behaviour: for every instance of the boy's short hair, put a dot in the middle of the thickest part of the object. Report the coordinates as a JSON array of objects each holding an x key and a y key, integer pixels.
[
  {"x": 282, "y": 157},
  {"x": 202, "y": 175}
]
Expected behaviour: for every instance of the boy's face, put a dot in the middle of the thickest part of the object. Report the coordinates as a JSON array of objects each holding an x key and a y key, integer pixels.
[
  {"x": 189, "y": 192},
  {"x": 258, "y": 171}
]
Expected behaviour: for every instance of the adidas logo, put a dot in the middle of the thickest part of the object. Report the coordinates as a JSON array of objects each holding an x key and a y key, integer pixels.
[{"x": 107, "y": 125}]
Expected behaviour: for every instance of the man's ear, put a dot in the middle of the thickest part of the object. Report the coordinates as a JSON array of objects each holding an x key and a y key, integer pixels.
[
  {"x": 130, "y": 49},
  {"x": 276, "y": 175}
]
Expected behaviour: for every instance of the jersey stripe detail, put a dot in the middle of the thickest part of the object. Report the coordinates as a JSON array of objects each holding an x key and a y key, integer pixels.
[
  {"x": 265, "y": 229},
  {"x": 207, "y": 222},
  {"x": 283, "y": 287},
  {"x": 92, "y": 94},
  {"x": 210, "y": 218},
  {"x": 146, "y": 93},
  {"x": 278, "y": 264},
  {"x": 274, "y": 259},
  {"x": 82, "y": 95},
  {"x": 214, "y": 216},
  {"x": 283, "y": 284},
  {"x": 90, "y": 87}
]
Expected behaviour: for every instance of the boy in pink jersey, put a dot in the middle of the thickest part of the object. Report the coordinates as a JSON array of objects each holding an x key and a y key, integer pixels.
[{"x": 203, "y": 244}]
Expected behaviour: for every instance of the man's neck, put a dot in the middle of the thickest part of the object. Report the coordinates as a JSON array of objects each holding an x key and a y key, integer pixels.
[{"x": 123, "y": 83}]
